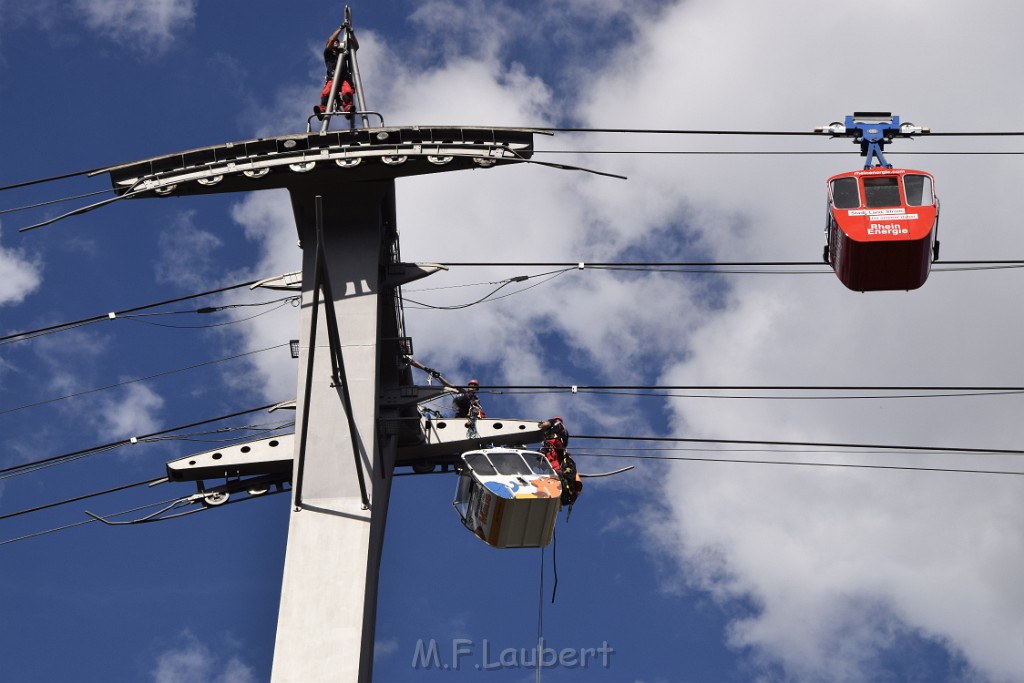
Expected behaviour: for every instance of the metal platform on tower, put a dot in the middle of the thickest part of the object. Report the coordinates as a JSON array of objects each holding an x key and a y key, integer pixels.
[{"x": 309, "y": 159}]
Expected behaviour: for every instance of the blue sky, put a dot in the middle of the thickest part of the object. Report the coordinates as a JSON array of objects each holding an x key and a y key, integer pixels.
[{"x": 689, "y": 571}]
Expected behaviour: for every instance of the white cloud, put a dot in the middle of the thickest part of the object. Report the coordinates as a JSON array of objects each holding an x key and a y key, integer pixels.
[
  {"x": 148, "y": 25},
  {"x": 268, "y": 221},
  {"x": 132, "y": 411},
  {"x": 113, "y": 413},
  {"x": 187, "y": 253},
  {"x": 20, "y": 275},
  {"x": 471, "y": 28},
  {"x": 381, "y": 648},
  {"x": 838, "y": 565},
  {"x": 194, "y": 661}
]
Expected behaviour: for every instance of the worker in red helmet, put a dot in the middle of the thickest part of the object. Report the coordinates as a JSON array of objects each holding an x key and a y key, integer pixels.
[
  {"x": 556, "y": 441},
  {"x": 555, "y": 448},
  {"x": 466, "y": 403},
  {"x": 345, "y": 91}
]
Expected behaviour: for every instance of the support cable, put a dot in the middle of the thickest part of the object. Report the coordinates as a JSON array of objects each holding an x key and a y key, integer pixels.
[
  {"x": 713, "y": 268},
  {"x": 620, "y": 152},
  {"x": 609, "y": 265},
  {"x": 63, "y": 528},
  {"x": 813, "y": 444},
  {"x": 54, "y": 201},
  {"x": 490, "y": 295},
  {"x": 19, "y": 336},
  {"x": 126, "y": 382},
  {"x": 567, "y": 129},
  {"x": 145, "y": 482},
  {"x": 748, "y": 397},
  {"x": 167, "y": 505},
  {"x": 654, "y": 390},
  {"x": 15, "y": 470},
  {"x": 82, "y": 209},
  {"x": 742, "y": 461},
  {"x": 739, "y": 461},
  {"x": 206, "y": 436},
  {"x": 767, "y": 133},
  {"x": 73, "y": 174},
  {"x": 520, "y": 278},
  {"x": 281, "y": 303},
  {"x": 780, "y": 152},
  {"x": 217, "y": 309},
  {"x": 674, "y": 131}
]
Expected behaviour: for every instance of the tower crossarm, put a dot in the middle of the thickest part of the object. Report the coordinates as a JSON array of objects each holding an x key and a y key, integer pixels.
[
  {"x": 428, "y": 441},
  {"x": 272, "y": 455},
  {"x": 363, "y": 154},
  {"x": 443, "y": 440}
]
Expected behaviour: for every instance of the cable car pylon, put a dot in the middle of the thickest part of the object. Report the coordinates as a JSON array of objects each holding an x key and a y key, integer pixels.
[{"x": 356, "y": 407}]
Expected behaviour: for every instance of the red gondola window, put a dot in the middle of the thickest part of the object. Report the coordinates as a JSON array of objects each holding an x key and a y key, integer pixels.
[
  {"x": 883, "y": 191},
  {"x": 919, "y": 190},
  {"x": 845, "y": 194}
]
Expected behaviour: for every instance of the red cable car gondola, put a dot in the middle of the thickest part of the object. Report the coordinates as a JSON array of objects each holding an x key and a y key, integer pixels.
[
  {"x": 882, "y": 228},
  {"x": 882, "y": 225}
]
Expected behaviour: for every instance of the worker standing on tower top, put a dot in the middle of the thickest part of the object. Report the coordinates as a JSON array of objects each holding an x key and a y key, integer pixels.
[{"x": 345, "y": 91}]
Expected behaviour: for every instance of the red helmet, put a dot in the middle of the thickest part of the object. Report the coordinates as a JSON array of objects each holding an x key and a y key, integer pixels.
[{"x": 474, "y": 383}]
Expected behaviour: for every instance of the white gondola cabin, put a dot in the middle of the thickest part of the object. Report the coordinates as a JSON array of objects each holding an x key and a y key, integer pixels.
[{"x": 508, "y": 498}]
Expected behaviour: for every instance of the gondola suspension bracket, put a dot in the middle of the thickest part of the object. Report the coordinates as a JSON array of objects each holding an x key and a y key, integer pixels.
[{"x": 872, "y": 131}]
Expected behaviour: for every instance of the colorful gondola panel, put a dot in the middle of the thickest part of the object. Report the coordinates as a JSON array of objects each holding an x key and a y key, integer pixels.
[{"x": 508, "y": 498}]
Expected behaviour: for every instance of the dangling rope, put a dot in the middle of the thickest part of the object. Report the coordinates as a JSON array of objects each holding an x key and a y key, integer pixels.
[
  {"x": 540, "y": 615},
  {"x": 554, "y": 560}
]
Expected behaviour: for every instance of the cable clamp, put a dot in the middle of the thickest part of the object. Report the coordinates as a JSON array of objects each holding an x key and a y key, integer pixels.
[
  {"x": 580, "y": 266},
  {"x": 574, "y": 388},
  {"x": 111, "y": 315},
  {"x": 134, "y": 440}
]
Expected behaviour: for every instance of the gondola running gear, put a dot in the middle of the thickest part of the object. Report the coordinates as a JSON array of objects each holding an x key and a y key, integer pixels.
[{"x": 882, "y": 223}]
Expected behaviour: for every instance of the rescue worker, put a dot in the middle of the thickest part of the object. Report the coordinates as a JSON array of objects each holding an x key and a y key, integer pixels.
[
  {"x": 345, "y": 91},
  {"x": 555, "y": 448},
  {"x": 556, "y": 441},
  {"x": 466, "y": 403}
]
